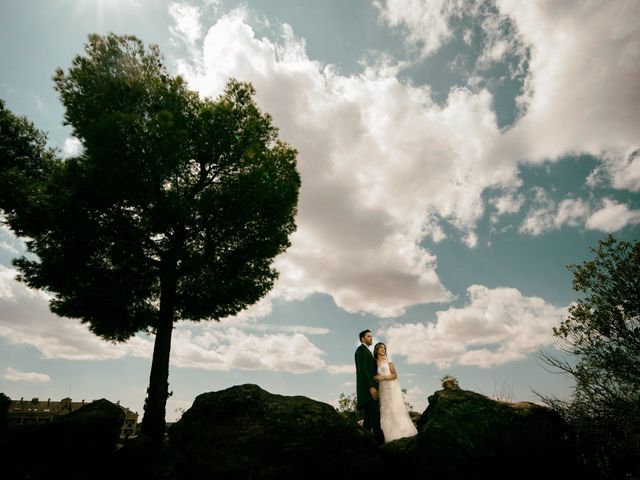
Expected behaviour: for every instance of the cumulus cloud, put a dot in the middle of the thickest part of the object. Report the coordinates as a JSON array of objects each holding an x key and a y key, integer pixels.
[
  {"x": 621, "y": 168},
  {"x": 214, "y": 4},
  {"x": 10, "y": 245},
  {"x": 426, "y": 23},
  {"x": 381, "y": 166},
  {"x": 581, "y": 63},
  {"x": 498, "y": 325},
  {"x": 346, "y": 368},
  {"x": 186, "y": 20},
  {"x": 430, "y": 25},
  {"x": 25, "y": 319},
  {"x": 511, "y": 203},
  {"x": 508, "y": 203},
  {"x": 581, "y": 93},
  {"x": 416, "y": 397},
  {"x": 547, "y": 215},
  {"x": 216, "y": 349},
  {"x": 17, "y": 376},
  {"x": 612, "y": 217}
]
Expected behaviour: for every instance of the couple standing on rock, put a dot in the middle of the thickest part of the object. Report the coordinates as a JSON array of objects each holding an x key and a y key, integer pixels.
[{"x": 378, "y": 393}]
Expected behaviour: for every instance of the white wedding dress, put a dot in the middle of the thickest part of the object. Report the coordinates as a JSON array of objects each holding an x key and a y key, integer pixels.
[{"x": 394, "y": 417}]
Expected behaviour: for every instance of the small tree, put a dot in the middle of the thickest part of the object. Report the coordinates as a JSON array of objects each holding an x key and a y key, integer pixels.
[
  {"x": 406, "y": 402},
  {"x": 348, "y": 407},
  {"x": 602, "y": 332},
  {"x": 174, "y": 210},
  {"x": 449, "y": 382}
]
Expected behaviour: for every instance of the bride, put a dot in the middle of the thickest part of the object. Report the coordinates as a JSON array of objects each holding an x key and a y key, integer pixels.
[{"x": 394, "y": 417}]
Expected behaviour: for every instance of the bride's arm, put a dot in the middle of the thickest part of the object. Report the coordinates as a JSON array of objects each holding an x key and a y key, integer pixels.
[
  {"x": 394, "y": 374},
  {"x": 380, "y": 378}
]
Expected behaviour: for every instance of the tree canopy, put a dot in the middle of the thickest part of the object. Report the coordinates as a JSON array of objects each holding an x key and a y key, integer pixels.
[
  {"x": 174, "y": 210},
  {"x": 602, "y": 332}
]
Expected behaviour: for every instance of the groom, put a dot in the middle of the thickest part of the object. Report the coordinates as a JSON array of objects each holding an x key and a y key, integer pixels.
[{"x": 367, "y": 387}]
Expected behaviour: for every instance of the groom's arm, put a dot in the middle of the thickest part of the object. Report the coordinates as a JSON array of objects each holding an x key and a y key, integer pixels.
[{"x": 362, "y": 371}]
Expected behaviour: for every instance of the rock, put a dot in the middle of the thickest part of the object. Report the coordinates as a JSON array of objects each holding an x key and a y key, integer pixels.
[
  {"x": 142, "y": 458},
  {"x": 5, "y": 403},
  {"x": 463, "y": 433},
  {"x": 76, "y": 445},
  {"x": 246, "y": 432}
]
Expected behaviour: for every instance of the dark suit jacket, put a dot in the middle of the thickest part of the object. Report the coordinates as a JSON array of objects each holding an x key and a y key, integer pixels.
[{"x": 366, "y": 368}]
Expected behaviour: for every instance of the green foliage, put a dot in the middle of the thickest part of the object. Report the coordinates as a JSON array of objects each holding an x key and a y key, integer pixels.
[
  {"x": 174, "y": 210},
  {"x": 163, "y": 174},
  {"x": 348, "y": 407},
  {"x": 25, "y": 164},
  {"x": 449, "y": 382},
  {"x": 406, "y": 402},
  {"x": 347, "y": 403},
  {"x": 602, "y": 332}
]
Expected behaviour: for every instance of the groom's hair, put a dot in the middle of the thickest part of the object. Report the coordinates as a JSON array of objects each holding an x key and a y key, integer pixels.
[{"x": 363, "y": 333}]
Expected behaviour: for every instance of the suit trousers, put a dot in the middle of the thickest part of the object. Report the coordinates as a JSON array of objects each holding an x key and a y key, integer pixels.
[{"x": 372, "y": 420}]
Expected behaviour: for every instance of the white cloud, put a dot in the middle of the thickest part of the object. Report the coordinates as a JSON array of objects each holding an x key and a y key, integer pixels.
[
  {"x": 426, "y": 23},
  {"x": 540, "y": 218},
  {"x": 500, "y": 40},
  {"x": 612, "y": 217},
  {"x": 571, "y": 212},
  {"x": 498, "y": 325},
  {"x": 214, "y": 4},
  {"x": 9, "y": 243},
  {"x": 292, "y": 329},
  {"x": 72, "y": 147},
  {"x": 17, "y": 376},
  {"x": 187, "y": 22},
  {"x": 623, "y": 169},
  {"x": 416, "y": 397},
  {"x": 581, "y": 93},
  {"x": 506, "y": 204},
  {"x": 429, "y": 25},
  {"x": 336, "y": 369},
  {"x": 546, "y": 215},
  {"x": 216, "y": 349},
  {"x": 471, "y": 240},
  {"x": 25, "y": 319},
  {"x": 582, "y": 65},
  {"x": 381, "y": 166}
]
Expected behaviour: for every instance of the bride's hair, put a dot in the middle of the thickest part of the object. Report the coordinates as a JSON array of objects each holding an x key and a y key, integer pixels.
[{"x": 375, "y": 349}]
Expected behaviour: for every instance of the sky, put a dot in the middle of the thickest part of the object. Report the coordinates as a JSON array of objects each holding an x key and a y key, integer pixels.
[{"x": 455, "y": 157}]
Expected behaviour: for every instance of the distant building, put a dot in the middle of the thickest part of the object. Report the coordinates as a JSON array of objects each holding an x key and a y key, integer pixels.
[{"x": 32, "y": 411}]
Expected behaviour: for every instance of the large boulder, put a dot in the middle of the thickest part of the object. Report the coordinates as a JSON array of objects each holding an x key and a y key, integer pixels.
[
  {"x": 463, "y": 433},
  {"x": 246, "y": 432},
  {"x": 76, "y": 445},
  {"x": 5, "y": 403}
]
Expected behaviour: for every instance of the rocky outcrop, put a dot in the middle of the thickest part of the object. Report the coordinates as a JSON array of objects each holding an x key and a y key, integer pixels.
[
  {"x": 463, "y": 433},
  {"x": 76, "y": 445},
  {"x": 246, "y": 432},
  {"x": 5, "y": 402}
]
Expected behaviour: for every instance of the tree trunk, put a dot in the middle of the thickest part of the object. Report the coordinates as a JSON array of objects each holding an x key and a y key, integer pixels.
[{"x": 153, "y": 422}]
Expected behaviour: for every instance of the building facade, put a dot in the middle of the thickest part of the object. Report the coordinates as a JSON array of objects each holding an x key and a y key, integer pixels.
[{"x": 23, "y": 412}]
